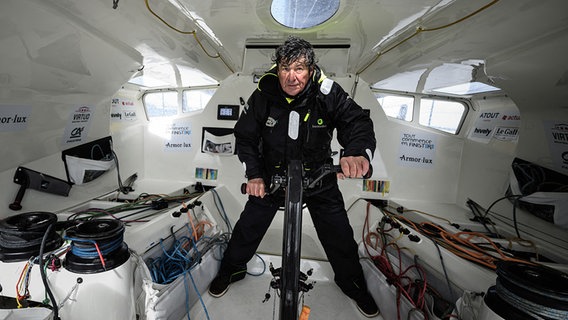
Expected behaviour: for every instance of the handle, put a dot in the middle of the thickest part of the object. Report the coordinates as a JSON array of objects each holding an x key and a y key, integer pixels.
[
  {"x": 367, "y": 175},
  {"x": 16, "y": 205}
]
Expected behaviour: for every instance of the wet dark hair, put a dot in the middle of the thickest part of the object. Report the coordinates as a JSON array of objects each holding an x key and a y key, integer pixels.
[{"x": 293, "y": 49}]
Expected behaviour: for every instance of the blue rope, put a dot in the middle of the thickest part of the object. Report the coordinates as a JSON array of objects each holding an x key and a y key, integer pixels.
[
  {"x": 179, "y": 261},
  {"x": 91, "y": 252},
  {"x": 174, "y": 262},
  {"x": 198, "y": 294},
  {"x": 194, "y": 243},
  {"x": 221, "y": 209},
  {"x": 263, "y": 267}
]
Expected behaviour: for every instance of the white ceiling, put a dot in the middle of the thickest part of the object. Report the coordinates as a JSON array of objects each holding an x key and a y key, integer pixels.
[{"x": 519, "y": 40}]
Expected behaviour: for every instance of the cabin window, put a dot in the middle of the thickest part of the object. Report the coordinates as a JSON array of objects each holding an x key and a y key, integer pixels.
[
  {"x": 161, "y": 104},
  {"x": 468, "y": 88},
  {"x": 396, "y": 106},
  {"x": 298, "y": 14},
  {"x": 441, "y": 114},
  {"x": 196, "y": 99}
]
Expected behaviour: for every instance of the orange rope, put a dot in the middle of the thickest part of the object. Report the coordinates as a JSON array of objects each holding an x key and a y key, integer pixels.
[
  {"x": 22, "y": 286},
  {"x": 305, "y": 313},
  {"x": 463, "y": 244},
  {"x": 195, "y": 235}
]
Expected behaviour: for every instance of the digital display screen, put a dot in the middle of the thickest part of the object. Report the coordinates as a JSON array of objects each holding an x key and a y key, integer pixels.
[{"x": 227, "y": 112}]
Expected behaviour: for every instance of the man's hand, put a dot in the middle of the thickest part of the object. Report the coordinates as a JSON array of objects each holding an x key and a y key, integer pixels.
[
  {"x": 353, "y": 167},
  {"x": 255, "y": 187}
]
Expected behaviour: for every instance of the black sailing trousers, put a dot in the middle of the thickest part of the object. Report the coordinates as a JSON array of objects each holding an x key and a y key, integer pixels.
[{"x": 330, "y": 219}]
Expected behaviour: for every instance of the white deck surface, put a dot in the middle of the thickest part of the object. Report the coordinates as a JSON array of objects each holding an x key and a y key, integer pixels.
[{"x": 244, "y": 299}]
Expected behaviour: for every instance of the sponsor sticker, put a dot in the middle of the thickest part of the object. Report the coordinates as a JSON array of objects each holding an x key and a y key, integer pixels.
[
  {"x": 417, "y": 149},
  {"x": 557, "y": 136},
  {"x": 179, "y": 137},
  {"x": 78, "y": 125},
  {"x": 502, "y": 125},
  {"x": 122, "y": 109},
  {"x": 14, "y": 117}
]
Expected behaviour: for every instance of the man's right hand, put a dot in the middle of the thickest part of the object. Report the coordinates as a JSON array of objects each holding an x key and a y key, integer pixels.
[{"x": 255, "y": 187}]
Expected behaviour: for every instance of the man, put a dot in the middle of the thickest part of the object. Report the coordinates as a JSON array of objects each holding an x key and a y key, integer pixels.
[{"x": 291, "y": 116}]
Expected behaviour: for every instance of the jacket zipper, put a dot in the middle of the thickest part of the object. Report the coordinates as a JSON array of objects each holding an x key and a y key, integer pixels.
[{"x": 307, "y": 125}]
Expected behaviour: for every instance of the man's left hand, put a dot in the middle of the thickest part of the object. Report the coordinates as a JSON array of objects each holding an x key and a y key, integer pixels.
[{"x": 353, "y": 167}]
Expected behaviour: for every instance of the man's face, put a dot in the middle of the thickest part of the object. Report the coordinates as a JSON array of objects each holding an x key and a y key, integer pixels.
[{"x": 294, "y": 76}]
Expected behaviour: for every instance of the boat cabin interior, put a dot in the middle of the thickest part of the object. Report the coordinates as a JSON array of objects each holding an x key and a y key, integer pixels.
[{"x": 121, "y": 182}]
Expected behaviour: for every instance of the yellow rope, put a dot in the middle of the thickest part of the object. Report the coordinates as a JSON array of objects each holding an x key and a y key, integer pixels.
[
  {"x": 217, "y": 55},
  {"x": 422, "y": 29}
]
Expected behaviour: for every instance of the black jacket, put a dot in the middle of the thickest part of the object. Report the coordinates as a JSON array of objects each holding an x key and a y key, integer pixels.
[{"x": 262, "y": 137}]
